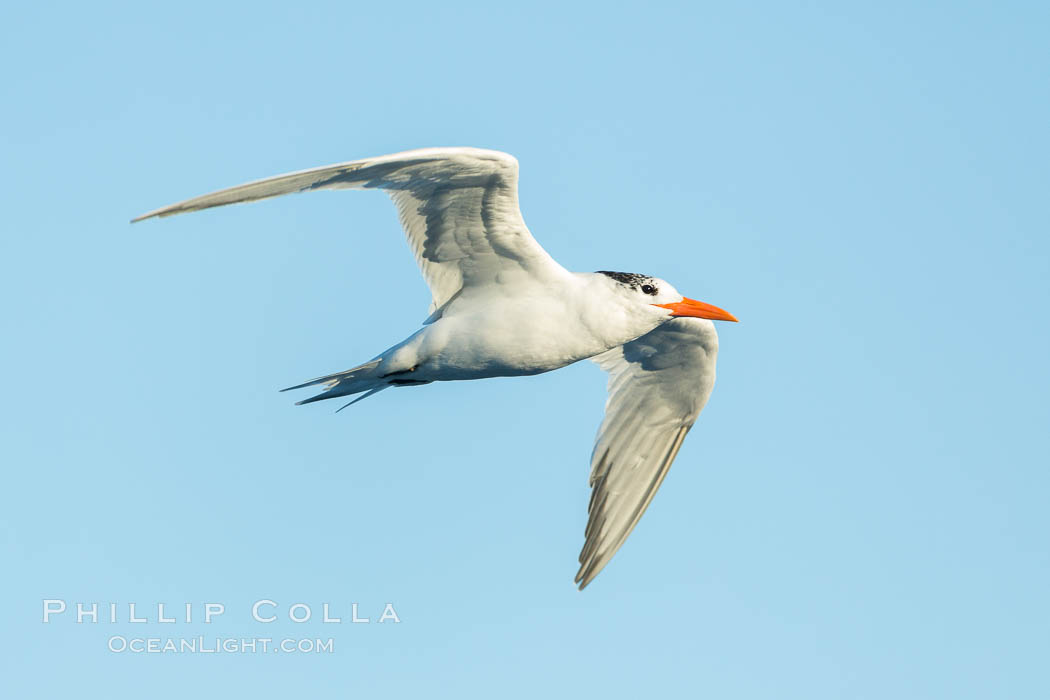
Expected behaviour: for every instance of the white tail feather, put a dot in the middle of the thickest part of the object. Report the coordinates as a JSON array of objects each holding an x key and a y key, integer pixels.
[{"x": 334, "y": 379}]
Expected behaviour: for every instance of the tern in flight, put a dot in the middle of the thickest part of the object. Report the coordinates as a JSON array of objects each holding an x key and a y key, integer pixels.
[{"x": 503, "y": 307}]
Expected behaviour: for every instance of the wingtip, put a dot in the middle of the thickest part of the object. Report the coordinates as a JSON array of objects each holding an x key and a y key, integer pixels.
[{"x": 589, "y": 570}]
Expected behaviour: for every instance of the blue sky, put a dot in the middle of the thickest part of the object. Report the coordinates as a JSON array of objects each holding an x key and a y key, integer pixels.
[{"x": 860, "y": 512}]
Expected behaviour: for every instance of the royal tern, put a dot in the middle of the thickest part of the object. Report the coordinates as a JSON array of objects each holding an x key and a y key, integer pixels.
[{"x": 503, "y": 307}]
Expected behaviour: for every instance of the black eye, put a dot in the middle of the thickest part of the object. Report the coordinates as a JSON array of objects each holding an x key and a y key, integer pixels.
[{"x": 648, "y": 289}]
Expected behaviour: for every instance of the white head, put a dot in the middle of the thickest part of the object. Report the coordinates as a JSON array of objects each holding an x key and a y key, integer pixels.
[{"x": 657, "y": 299}]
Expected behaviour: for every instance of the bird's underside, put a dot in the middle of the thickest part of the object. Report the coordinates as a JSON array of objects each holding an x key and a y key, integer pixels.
[{"x": 459, "y": 210}]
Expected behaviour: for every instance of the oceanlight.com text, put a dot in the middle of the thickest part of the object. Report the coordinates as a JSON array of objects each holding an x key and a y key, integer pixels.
[{"x": 120, "y": 644}]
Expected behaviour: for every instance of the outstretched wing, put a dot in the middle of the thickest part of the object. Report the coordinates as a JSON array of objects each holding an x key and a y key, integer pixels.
[
  {"x": 458, "y": 206},
  {"x": 658, "y": 384}
]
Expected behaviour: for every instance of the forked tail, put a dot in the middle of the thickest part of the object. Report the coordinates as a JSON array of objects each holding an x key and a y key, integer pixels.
[{"x": 362, "y": 378}]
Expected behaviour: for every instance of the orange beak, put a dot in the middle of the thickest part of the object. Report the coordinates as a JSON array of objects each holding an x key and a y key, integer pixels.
[{"x": 698, "y": 309}]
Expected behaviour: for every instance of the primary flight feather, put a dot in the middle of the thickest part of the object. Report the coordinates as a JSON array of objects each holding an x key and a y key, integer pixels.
[{"x": 503, "y": 307}]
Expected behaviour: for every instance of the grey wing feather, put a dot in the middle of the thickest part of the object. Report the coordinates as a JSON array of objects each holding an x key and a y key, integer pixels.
[
  {"x": 658, "y": 384},
  {"x": 458, "y": 206}
]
